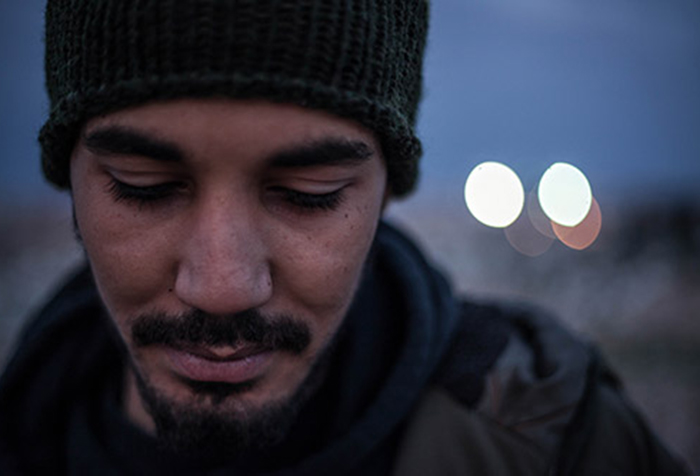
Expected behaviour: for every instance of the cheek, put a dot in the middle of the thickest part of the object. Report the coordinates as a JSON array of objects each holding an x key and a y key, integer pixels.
[
  {"x": 129, "y": 261},
  {"x": 323, "y": 269}
]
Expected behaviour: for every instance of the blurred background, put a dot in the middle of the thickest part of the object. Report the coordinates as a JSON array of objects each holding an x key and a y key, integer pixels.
[{"x": 611, "y": 87}]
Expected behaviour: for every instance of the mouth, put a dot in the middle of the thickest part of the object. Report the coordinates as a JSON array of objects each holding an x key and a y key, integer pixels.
[{"x": 225, "y": 365}]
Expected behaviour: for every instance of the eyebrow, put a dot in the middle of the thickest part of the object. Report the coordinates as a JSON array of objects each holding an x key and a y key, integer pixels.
[
  {"x": 327, "y": 151},
  {"x": 119, "y": 140}
]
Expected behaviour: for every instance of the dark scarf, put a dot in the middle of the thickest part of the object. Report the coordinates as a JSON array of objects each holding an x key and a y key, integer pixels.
[{"x": 59, "y": 396}]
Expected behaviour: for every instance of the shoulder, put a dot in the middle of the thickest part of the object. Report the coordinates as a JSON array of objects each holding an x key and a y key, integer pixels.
[
  {"x": 443, "y": 437},
  {"x": 54, "y": 359},
  {"x": 548, "y": 404},
  {"x": 609, "y": 436}
]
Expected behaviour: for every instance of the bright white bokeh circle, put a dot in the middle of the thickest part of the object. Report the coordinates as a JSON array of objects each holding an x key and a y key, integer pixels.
[
  {"x": 494, "y": 194},
  {"x": 565, "y": 194}
]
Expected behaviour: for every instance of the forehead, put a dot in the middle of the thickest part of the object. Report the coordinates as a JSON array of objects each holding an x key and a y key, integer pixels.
[{"x": 215, "y": 126}]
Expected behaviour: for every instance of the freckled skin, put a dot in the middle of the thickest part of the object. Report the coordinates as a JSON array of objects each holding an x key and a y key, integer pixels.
[{"x": 226, "y": 243}]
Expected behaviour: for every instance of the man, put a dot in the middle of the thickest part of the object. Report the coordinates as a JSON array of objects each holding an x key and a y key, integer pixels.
[{"x": 244, "y": 310}]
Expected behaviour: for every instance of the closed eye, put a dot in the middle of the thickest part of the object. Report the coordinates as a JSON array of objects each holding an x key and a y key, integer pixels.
[
  {"x": 140, "y": 195},
  {"x": 310, "y": 201}
]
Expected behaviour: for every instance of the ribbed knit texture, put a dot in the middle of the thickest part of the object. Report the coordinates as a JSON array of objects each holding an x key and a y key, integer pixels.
[{"x": 358, "y": 59}]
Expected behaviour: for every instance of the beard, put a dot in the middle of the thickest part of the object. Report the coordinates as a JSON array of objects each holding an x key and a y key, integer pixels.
[
  {"x": 208, "y": 426},
  {"x": 213, "y": 430}
]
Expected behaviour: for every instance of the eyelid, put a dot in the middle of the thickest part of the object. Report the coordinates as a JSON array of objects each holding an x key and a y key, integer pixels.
[
  {"x": 142, "y": 178},
  {"x": 308, "y": 202},
  {"x": 310, "y": 186}
]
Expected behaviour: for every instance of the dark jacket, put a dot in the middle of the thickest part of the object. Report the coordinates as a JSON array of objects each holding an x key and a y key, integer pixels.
[
  {"x": 550, "y": 406},
  {"x": 421, "y": 383}
]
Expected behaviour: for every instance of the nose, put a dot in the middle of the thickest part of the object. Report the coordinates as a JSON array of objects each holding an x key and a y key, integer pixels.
[{"x": 223, "y": 266}]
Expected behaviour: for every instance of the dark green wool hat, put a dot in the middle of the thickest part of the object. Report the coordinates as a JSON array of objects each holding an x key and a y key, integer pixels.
[{"x": 359, "y": 59}]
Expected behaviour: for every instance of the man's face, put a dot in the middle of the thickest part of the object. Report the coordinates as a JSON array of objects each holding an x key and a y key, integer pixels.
[{"x": 227, "y": 240}]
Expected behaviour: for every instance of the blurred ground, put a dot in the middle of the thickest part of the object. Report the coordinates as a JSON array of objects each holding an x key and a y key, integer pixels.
[{"x": 636, "y": 291}]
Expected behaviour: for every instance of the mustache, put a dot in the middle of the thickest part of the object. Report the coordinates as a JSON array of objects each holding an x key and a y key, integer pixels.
[{"x": 199, "y": 328}]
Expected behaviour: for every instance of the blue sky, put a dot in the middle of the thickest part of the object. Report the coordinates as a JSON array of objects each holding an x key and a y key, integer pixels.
[{"x": 610, "y": 86}]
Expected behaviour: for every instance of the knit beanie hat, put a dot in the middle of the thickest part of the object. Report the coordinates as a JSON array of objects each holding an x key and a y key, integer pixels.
[{"x": 357, "y": 59}]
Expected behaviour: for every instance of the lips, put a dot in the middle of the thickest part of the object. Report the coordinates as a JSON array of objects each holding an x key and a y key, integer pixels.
[{"x": 215, "y": 365}]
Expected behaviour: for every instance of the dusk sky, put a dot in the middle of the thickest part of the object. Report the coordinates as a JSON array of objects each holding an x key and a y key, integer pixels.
[{"x": 612, "y": 87}]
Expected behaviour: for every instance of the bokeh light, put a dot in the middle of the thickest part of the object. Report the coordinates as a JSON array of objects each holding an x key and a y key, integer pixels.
[
  {"x": 565, "y": 194},
  {"x": 537, "y": 217},
  {"x": 525, "y": 238},
  {"x": 585, "y": 233},
  {"x": 494, "y": 194}
]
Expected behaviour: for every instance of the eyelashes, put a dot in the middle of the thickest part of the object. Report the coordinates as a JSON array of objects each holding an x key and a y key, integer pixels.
[
  {"x": 163, "y": 192},
  {"x": 310, "y": 201},
  {"x": 124, "y": 192}
]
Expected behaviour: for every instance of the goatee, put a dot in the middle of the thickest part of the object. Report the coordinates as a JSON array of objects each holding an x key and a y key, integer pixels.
[{"x": 210, "y": 428}]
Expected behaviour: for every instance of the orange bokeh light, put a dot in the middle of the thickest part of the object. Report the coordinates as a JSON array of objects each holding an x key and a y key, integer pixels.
[{"x": 583, "y": 235}]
